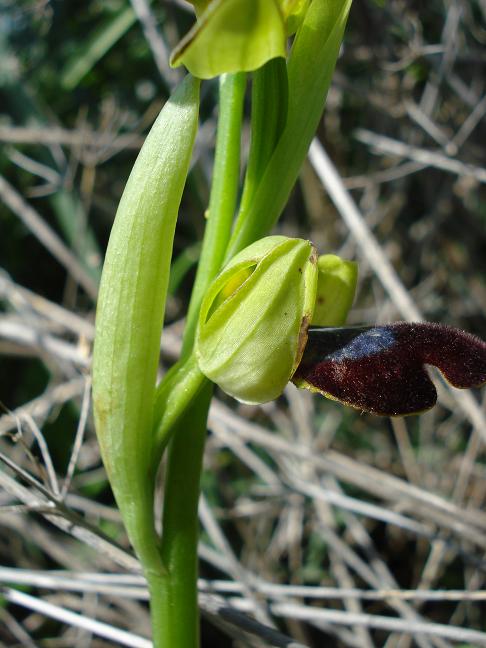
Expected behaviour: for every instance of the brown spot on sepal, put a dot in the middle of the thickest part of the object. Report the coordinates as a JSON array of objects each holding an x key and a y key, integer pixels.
[{"x": 302, "y": 340}]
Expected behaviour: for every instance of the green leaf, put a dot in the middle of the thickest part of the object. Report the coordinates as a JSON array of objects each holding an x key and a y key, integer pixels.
[
  {"x": 232, "y": 36},
  {"x": 130, "y": 313}
]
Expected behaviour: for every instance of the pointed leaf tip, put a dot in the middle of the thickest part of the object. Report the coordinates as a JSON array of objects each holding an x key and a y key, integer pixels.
[{"x": 380, "y": 369}]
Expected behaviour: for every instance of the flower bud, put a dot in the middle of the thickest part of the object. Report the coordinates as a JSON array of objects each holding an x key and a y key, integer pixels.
[{"x": 254, "y": 318}]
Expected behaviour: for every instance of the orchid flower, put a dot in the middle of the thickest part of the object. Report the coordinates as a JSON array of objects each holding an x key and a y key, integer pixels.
[{"x": 274, "y": 315}]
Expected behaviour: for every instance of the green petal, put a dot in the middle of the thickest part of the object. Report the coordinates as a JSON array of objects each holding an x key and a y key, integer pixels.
[
  {"x": 232, "y": 36},
  {"x": 336, "y": 285}
]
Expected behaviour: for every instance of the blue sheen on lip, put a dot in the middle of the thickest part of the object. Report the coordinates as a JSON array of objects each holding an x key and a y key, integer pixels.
[{"x": 368, "y": 343}]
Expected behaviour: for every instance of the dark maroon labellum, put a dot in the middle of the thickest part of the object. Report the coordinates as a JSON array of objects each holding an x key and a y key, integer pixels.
[{"x": 380, "y": 369}]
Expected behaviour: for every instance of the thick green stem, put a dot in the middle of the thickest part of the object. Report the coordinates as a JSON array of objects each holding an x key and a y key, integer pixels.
[
  {"x": 269, "y": 103},
  {"x": 183, "y": 398},
  {"x": 175, "y": 616},
  {"x": 184, "y": 380},
  {"x": 180, "y": 385},
  {"x": 224, "y": 194}
]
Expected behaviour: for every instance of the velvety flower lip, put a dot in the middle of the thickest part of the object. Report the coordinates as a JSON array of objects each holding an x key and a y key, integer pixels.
[{"x": 380, "y": 369}]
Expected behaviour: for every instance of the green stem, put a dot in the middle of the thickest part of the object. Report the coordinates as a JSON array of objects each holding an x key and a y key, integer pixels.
[
  {"x": 184, "y": 380},
  {"x": 224, "y": 194},
  {"x": 175, "y": 615},
  {"x": 183, "y": 398},
  {"x": 269, "y": 103}
]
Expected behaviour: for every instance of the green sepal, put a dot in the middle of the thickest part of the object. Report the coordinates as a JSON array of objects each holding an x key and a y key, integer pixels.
[
  {"x": 251, "y": 337},
  {"x": 336, "y": 286},
  {"x": 294, "y": 13},
  {"x": 232, "y": 36}
]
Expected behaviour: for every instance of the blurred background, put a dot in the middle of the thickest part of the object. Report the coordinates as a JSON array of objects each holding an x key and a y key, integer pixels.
[{"x": 325, "y": 525}]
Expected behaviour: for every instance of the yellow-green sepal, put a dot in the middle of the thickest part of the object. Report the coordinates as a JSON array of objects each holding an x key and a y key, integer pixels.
[
  {"x": 250, "y": 339},
  {"x": 293, "y": 11},
  {"x": 336, "y": 286},
  {"x": 232, "y": 36}
]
